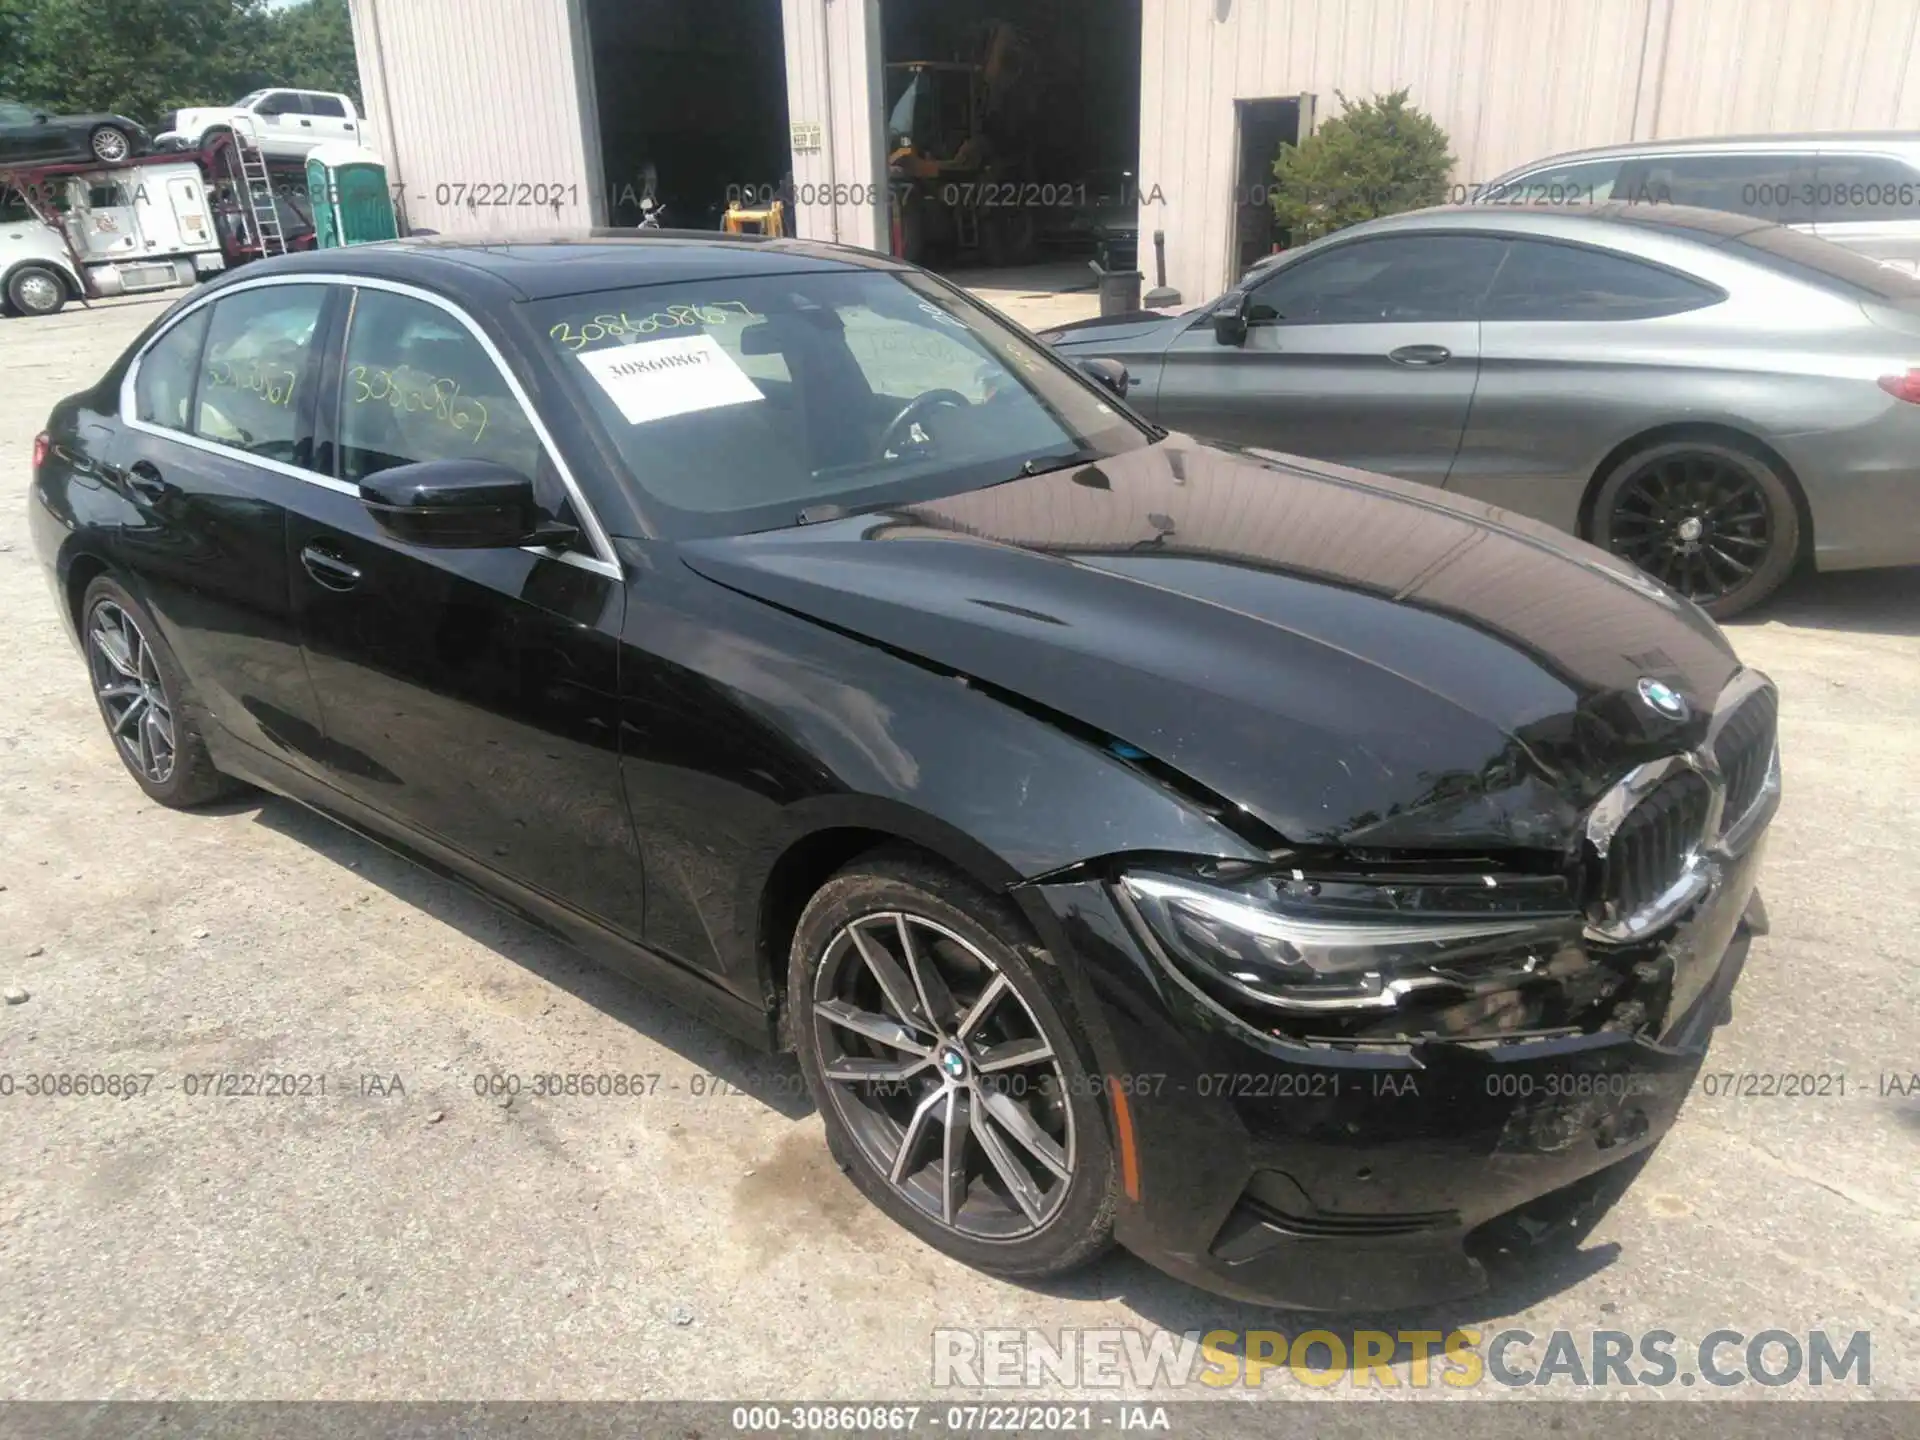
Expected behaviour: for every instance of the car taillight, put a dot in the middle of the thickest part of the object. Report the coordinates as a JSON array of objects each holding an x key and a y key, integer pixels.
[
  {"x": 42, "y": 443},
  {"x": 1903, "y": 387}
]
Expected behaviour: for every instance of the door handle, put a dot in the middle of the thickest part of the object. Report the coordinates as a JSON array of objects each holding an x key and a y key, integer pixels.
[
  {"x": 329, "y": 570},
  {"x": 1420, "y": 355},
  {"x": 144, "y": 480}
]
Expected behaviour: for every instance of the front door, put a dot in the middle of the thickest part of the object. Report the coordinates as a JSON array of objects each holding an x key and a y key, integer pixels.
[
  {"x": 1364, "y": 353},
  {"x": 212, "y": 458},
  {"x": 470, "y": 695}
]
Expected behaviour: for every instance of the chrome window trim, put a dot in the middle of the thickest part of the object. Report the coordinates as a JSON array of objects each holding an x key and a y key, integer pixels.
[
  {"x": 1720, "y": 840},
  {"x": 603, "y": 561}
]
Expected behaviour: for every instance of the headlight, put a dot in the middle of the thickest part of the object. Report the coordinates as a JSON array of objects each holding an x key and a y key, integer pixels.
[{"x": 1423, "y": 954}]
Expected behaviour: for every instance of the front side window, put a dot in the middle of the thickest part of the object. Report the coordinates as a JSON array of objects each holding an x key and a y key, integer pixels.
[
  {"x": 736, "y": 404},
  {"x": 255, "y": 370},
  {"x": 419, "y": 387},
  {"x": 14, "y": 114},
  {"x": 1580, "y": 182},
  {"x": 163, "y": 386},
  {"x": 1541, "y": 281},
  {"x": 1395, "y": 278}
]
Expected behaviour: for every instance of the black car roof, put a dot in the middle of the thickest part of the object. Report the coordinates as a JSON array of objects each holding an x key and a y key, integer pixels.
[{"x": 540, "y": 267}]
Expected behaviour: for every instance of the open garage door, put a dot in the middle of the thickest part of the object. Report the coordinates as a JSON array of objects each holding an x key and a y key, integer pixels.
[
  {"x": 1013, "y": 132},
  {"x": 691, "y": 98}
]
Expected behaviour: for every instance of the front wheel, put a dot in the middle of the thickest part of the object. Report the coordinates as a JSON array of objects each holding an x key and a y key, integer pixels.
[
  {"x": 110, "y": 143},
  {"x": 36, "y": 290},
  {"x": 1713, "y": 521},
  {"x": 950, "y": 1087}
]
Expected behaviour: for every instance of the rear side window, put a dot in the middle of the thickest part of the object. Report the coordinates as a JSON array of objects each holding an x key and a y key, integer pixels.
[
  {"x": 163, "y": 386},
  {"x": 1864, "y": 187},
  {"x": 326, "y": 105},
  {"x": 1541, "y": 281},
  {"x": 1776, "y": 187},
  {"x": 255, "y": 367}
]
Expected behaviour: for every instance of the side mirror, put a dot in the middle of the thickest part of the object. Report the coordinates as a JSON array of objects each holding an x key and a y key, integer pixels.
[
  {"x": 459, "y": 505},
  {"x": 1108, "y": 373},
  {"x": 1230, "y": 320}
]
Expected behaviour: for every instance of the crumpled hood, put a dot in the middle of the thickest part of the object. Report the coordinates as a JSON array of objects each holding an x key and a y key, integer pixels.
[{"x": 1348, "y": 659}]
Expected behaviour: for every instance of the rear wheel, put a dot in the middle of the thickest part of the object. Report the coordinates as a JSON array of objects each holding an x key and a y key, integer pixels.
[
  {"x": 110, "y": 143},
  {"x": 1715, "y": 522},
  {"x": 139, "y": 688},
  {"x": 950, "y": 1087},
  {"x": 36, "y": 290}
]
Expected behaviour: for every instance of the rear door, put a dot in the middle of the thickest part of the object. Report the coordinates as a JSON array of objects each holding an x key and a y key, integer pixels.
[
  {"x": 217, "y": 441},
  {"x": 329, "y": 118},
  {"x": 470, "y": 695},
  {"x": 1579, "y": 347},
  {"x": 1364, "y": 353},
  {"x": 1869, "y": 203}
]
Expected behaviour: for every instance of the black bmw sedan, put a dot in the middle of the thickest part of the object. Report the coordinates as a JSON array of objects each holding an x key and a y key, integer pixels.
[{"x": 1318, "y": 884}]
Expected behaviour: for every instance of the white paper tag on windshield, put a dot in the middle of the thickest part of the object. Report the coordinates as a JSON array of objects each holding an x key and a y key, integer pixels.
[{"x": 669, "y": 377}]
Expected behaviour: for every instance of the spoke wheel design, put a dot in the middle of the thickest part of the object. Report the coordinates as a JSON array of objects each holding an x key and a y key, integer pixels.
[
  {"x": 1698, "y": 522},
  {"x": 110, "y": 145},
  {"x": 132, "y": 696},
  {"x": 943, "y": 1076}
]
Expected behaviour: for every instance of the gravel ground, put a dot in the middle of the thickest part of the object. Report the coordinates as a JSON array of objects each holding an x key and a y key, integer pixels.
[{"x": 402, "y": 1238}]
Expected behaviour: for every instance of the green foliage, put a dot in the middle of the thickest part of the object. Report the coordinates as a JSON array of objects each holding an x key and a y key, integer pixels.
[
  {"x": 1377, "y": 157},
  {"x": 142, "y": 58}
]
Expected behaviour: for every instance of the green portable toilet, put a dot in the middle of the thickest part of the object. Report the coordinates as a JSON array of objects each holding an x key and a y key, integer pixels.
[{"x": 351, "y": 202}]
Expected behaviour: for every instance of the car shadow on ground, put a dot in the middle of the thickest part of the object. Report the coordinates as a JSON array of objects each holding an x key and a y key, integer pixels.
[
  {"x": 1882, "y": 602},
  {"x": 773, "y": 1080},
  {"x": 1182, "y": 1309}
]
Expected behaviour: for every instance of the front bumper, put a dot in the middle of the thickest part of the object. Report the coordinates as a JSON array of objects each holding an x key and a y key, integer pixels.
[{"x": 1350, "y": 1180}]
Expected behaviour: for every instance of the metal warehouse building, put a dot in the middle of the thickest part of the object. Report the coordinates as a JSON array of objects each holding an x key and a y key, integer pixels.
[{"x": 523, "y": 116}]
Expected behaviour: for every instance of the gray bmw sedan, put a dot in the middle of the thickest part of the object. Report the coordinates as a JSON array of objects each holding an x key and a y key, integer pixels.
[{"x": 1713, "y": 397}]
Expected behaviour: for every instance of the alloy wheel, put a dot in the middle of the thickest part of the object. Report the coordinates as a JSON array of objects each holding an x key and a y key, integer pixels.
[
  {"x": 943, "y": 1076},
  {"x": 1697, "y": 522},
  {"x": 132, "y": 696},
  {"x": 109, "y": 145}
]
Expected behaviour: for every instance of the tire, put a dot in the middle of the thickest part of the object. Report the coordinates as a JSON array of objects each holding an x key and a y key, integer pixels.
[
  {"x": 969, "y": 941},
  {"x": 110, "y": 143},
  {"x": 1694, "y": 514},
  {"x": 124, "y": 648},
  {"x": 37, "y": 290}
]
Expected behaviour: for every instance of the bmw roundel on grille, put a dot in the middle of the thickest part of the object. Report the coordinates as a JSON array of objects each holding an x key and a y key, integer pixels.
[{"x": 1662, "y": 698}]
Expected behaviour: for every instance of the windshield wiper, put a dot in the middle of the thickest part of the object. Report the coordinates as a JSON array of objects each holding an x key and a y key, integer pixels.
[{"x": 1061, "y": 460}]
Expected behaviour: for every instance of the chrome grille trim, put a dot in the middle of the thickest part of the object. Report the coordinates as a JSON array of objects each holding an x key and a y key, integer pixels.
[{"x": 1721, "y": 837}]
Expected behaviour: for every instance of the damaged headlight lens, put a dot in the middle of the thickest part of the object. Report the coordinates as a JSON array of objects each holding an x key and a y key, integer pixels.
[{"x": 1291, "y": 944}]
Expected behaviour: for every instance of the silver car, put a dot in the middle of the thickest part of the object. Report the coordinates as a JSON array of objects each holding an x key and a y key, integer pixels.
[
  {"x": 1712, "y": 397},
  {"x": 1859, "y": 189}
]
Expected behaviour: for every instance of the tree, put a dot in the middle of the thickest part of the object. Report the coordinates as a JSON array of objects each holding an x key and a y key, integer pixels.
[
  {"x": 143, "y": 58},
  {"x": 1377, "y": 157}
]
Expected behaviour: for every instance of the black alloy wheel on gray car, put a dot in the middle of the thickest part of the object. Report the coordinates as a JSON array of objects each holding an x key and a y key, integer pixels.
[
  {"x": 139, "y": 688},
  {"x": 110, "y": 143},
  {"x": 1715, "y": 522},
  {"x": 36, "y": 290},
  {"x": 948, "y": 1081}
]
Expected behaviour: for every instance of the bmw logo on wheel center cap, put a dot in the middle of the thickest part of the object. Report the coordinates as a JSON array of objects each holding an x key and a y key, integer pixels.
[
  {"x": 954, "y": 1063},
  {"x": 1662, "y": 698}
]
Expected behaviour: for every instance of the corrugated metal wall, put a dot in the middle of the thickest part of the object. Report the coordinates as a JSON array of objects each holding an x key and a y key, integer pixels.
[
  {"x": 488, "y": 103},
  {"x": 1510, "y": 80},
  {"x": 834, "y": 82}
]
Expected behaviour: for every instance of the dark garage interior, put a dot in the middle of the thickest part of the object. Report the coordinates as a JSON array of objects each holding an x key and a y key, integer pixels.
[
  {"x": 696, "y": 89},
  {"x": 1014, "y": 129}
]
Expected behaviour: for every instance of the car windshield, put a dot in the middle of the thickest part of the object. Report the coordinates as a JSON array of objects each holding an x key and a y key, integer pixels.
[{"x": 737, "y": 404}]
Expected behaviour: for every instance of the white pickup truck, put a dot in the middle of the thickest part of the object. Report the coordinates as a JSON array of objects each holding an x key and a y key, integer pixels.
[{"x": 285, "y": 124}]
